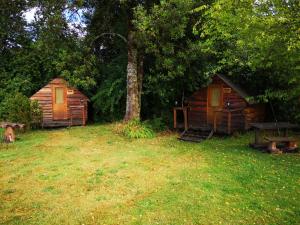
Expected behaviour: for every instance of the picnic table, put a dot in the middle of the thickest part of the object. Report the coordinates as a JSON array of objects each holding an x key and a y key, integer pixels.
[
  {"x": 9, "y": 133},
  {"x": 290, "y": 143},
  {"x": 261, "y": 128}
]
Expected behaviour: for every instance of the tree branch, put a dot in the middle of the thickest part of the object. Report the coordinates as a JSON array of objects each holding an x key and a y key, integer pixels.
[{"x": 112, "y": 34}]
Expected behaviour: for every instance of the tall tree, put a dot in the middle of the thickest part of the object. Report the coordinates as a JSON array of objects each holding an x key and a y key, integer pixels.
[
  {"x": 105, "y": 24},
  {"x": 14, "y": 39},
  {"x": 175, "y": 65},
  {"x": 13, "y": 32}
]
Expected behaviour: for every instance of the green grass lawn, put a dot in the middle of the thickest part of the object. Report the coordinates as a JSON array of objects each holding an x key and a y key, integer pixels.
[{"x": 89, "y": 175}]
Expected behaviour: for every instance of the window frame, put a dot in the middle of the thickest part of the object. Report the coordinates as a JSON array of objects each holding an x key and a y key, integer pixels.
[
  {"x": 210, "y": 96},
  {"x": 62, "y": 97}
]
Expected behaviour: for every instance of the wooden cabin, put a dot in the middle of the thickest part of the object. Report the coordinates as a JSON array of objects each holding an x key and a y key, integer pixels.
[
  {"x": 221, "y": 106},
  {"x": 61, "y": 104}
]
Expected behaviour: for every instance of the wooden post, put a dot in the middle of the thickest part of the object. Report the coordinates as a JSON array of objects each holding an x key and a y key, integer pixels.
[
  {"x": 246, "y": 122},
  {"x": 71, "y": 119},
  {"x": 83, "y": 116},
  {"x": 257, "y": 137},
  {"x": 175, "y": 118},
  {"x": 229, "y": 123},
  {"x": 215, "y": 121},
  {"x": 286, "y": 132},
  {"x": 71, "y": 116},
  {"x": 185, "y": 119}
]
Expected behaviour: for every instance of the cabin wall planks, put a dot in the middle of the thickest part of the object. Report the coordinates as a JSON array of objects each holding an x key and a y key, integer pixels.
[
  {"x": 76, "y": 109},
  {"x": 234, "y": 114}
]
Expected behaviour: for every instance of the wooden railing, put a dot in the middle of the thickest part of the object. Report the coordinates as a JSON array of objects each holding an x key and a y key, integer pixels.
[
  {"x": 228, "y": 115},
  {"x": 185, "y": 116}
]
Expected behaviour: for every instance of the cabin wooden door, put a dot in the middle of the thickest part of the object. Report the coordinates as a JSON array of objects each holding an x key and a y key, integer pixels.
[
  {"x": 214, "y": 102},
  {"x": 59, "y": 102}
]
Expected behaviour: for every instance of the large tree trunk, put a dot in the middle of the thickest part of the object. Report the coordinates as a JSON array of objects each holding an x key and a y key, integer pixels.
[
  {"x": 133, "y": 107},
  {"x": 140, "y": 78}
]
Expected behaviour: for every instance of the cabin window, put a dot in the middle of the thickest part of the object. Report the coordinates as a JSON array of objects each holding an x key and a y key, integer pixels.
[
  {"x": 59, "y": 95},
  {"x": 70, "y": 92},
  {"x": 215, "y": 99}
]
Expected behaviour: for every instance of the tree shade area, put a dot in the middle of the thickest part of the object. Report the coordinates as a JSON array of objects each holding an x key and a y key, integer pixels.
[{"x": 134, "y": 59}]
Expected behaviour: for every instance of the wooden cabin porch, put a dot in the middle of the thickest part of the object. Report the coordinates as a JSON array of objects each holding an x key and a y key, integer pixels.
[{"x": 225, "y": 121}]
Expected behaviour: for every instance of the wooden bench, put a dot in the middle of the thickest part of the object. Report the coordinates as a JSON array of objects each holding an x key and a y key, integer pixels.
[{"x": 291, "y": 143}]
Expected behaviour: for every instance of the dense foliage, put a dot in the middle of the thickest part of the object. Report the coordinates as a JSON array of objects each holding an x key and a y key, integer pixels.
[
  {"x": 258, "y": 42},
  {"x": 181, "y": 43},
  {"x": 175, "y": 63},
  {"x": 19, "y": 109}
]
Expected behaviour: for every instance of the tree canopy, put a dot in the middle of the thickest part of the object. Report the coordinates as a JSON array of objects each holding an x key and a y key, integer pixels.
[{"x": 134, "y": 59}]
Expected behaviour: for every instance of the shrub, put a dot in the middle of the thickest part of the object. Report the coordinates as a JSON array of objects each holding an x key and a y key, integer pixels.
[
  {"x": 18, "y": 108},
  {"x": 135, "y": 129},
  {"x": 36, "y": 114},
  {"x": 157, "y": 124}
]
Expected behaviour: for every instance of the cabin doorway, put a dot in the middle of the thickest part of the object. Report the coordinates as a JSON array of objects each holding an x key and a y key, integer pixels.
[
  {"x": 214, "y": 102},
  {"x": 59, "y": 102}
]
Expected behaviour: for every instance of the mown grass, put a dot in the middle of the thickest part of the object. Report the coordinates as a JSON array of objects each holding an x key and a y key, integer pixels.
[{"x": 89, "y": 175}]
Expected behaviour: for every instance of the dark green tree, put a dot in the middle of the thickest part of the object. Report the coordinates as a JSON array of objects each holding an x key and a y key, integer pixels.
[
  {"x": 258, "y": 42},
  {"x": 175, "y": 62},
  {"x": 114, "y": 20}
]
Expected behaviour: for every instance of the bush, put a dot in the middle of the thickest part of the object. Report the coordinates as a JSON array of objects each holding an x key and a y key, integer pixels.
[
  {"x": 135, "y": 129},
  {"x": 18, "y": 108},
  {"x": 157, "y": 124},
  {"x": 36, "y": 114}
]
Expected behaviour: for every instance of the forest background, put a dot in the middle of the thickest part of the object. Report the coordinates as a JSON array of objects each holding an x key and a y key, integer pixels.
[{"x": 135, "y": 58}]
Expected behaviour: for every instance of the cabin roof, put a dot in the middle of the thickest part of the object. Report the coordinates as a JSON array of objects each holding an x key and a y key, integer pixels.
[
  {"x": 60, "y": 81},
  {"x": 235, "y": 87}
]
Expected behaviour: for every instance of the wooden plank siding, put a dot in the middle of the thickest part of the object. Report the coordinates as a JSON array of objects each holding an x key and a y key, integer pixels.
[
  {"x": 236, "y": 117},
  {"x": 198, "y": 108},
  {"x": 74, "y": 98}
]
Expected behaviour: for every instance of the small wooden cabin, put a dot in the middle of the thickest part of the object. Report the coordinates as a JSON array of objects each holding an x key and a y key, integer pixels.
[
  {"x": 61, "y": 104},
  {"x": 222, "y": 106}
]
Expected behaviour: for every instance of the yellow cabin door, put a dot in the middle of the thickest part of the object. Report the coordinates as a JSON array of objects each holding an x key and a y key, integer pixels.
[
  {"x": 59, "y": 102},
  {"x": 214, "y": 101}
]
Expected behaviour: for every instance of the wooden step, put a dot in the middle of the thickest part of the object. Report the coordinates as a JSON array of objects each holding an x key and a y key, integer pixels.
[
  {"x": 203, "y": 128},
  {"x": 192, "y": 139},
  {"x": 196, "y": 135}
]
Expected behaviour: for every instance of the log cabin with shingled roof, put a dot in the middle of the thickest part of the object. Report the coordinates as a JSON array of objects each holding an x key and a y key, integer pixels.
[
  {"x": 221, "y": 107},
  {"x": 61, "y": 104}
]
